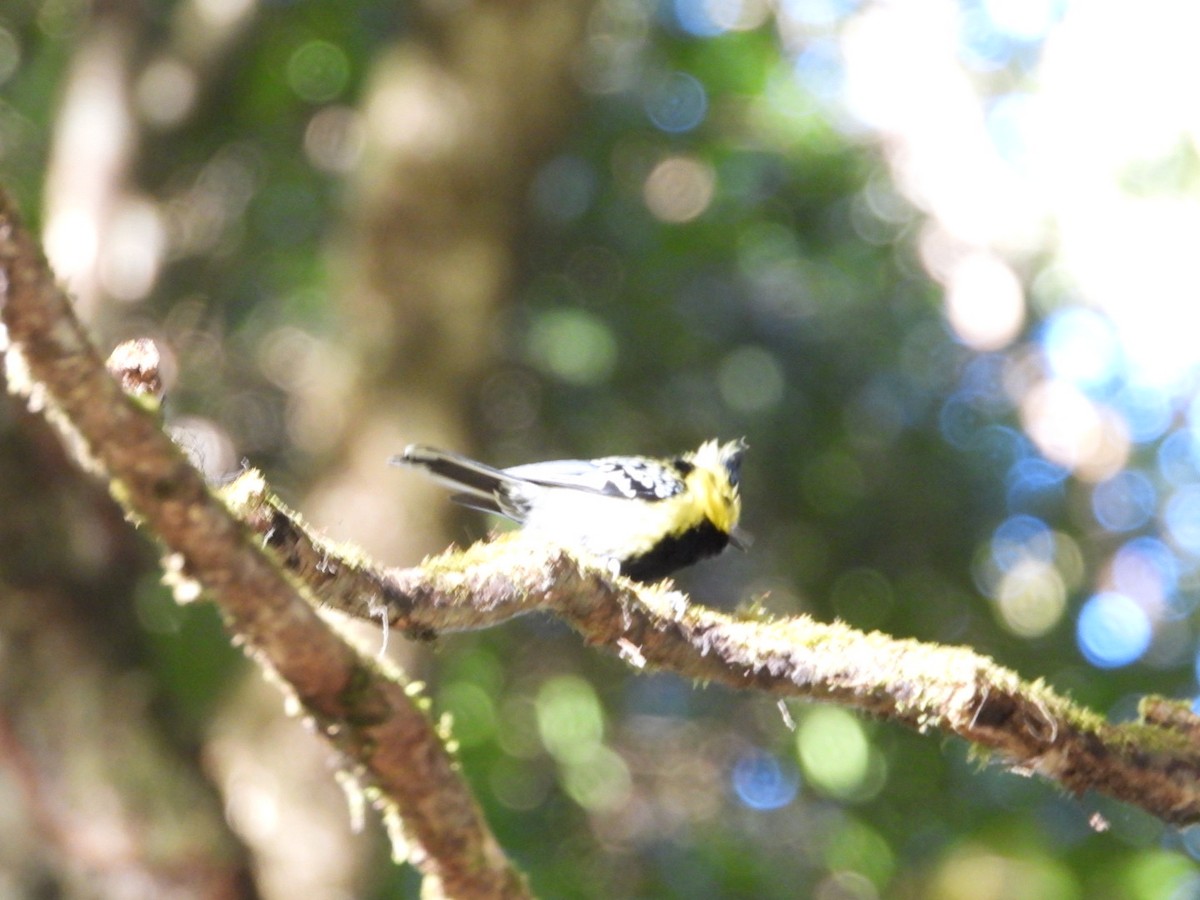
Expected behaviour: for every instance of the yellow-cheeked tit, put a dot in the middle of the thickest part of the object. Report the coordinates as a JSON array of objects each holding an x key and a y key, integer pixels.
[{"x": 648, "y": 516}]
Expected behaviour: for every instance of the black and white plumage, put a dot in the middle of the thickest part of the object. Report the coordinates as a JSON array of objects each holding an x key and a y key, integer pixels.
[{"x": 649, "y": 516}]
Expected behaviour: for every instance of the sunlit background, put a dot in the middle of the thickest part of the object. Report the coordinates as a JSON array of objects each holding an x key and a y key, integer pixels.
[{"x": 935, "y": 259}]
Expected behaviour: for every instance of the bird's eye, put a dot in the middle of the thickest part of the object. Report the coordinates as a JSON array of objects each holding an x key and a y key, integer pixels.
[
  {"x": 731, "y": 456},
  {"x": 733, "y": 466}
]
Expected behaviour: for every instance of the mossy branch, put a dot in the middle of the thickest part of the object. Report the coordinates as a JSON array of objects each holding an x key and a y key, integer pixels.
[
  {"x": 1153, "y": 763},
  {"x": 390, "y": 745}
]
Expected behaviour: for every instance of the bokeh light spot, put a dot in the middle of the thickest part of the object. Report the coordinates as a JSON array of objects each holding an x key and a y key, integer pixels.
[
  {"x": 1075, "y": 432},
  {"x": 572, "y": 345},
  {"x": 134, "y": 250},
  {"x": 1124, "y": 502},
  {"x": 761, "y": 782},
  {"x": 676, "y": 103},
  {"x": 165, "y": 92},
  {"x": 569, "y": 718},
  {"x": 835, "y": 752},
  {"x": 1182, "y": 518},
  {"x": 1112, "y": 630},
  {"x": 857, "y": 848},
  {"x": 1031, "y": 598},
  {"x": 1147, "y": 570},
  {"x": 1147, "y": 411},
  {"x": 1177, "y": 459},
  {"x": 334, "y": 139},
  {"x": 750, "y": 379},
  {"x": 679, "y": 189},
  {"x": 318, "y": 71},
  {"x": 1020, "y": 537},
  {"x": 985, "y": 304},
  {"x": 519, "y": 784},
  {"x": 597, "y": 779},
  {"x": 72, "y": 242},
  {"x": 1081, "y": 346}
]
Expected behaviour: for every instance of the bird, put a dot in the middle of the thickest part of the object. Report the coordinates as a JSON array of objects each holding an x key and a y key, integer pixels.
[{"x": 644, "y": 517}]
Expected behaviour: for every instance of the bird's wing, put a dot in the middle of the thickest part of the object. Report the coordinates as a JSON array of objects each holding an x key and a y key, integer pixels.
[
  {"x": 576, "y": 474},
  {"x": 639, "y": 479}
]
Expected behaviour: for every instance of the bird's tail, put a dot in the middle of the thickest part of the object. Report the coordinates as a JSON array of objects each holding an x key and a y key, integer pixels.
[{"x": 479, "y": 486}]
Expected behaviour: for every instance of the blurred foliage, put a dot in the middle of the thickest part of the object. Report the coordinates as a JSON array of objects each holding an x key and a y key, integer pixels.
[{"x": 713, "y": 251}]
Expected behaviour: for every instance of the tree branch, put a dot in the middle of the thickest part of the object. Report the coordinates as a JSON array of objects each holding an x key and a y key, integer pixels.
[
  {"x": 364, "y": 711},
  {"x": 1153, "y": 763}
]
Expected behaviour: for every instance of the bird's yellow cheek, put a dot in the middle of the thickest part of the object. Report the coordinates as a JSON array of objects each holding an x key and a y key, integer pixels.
[{"x": 714, "y": 501}]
